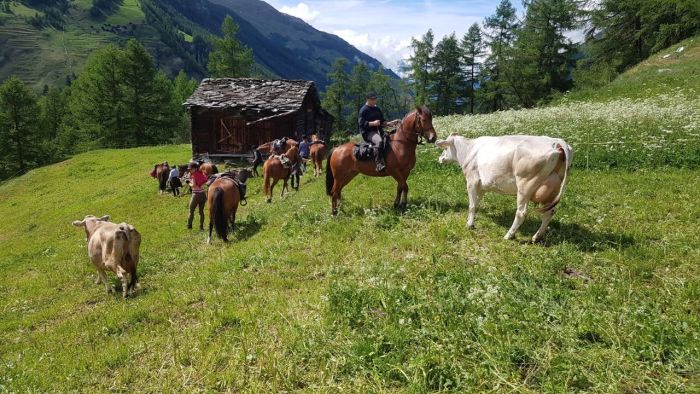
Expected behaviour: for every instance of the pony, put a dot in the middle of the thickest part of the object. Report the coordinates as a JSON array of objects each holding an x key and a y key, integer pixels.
[
  {"x": 223, "y": 200},
  {"x": 160, "y": 173},
  {"x": 342, "y": 166},
  {"x": 317, "y": 153},
  {"x": 274, "y": 170}
]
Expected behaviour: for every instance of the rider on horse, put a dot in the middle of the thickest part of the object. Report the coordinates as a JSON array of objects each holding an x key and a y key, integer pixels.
[{"x": 371, "y": 121}]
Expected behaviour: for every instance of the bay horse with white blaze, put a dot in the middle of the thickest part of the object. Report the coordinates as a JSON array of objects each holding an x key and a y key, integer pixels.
[
  {"x": 223, "y": 199},
  {"x": 342, "y": 166}
]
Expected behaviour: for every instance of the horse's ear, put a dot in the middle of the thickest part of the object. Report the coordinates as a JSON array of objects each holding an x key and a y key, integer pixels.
[{"x": 419, "y": 109}]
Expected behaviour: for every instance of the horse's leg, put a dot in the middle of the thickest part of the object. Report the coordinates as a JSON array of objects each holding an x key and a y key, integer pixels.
[
  {"x": 232, "y": 218},
  {"x": 285, "y": 186},
  {"x": 272, "y": 187},
  {"x": 338, "y": 186}
]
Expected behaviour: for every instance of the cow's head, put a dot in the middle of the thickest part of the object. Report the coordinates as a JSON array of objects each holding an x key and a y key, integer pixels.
[
  {"x": 449, "y": 153},
  {"x": 90, "y": 222}
]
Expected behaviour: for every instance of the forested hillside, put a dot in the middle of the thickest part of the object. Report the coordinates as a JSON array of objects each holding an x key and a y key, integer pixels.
[{"x": 46, "y": 42}]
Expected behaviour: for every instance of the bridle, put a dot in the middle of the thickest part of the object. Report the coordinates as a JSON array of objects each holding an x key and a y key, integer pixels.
[{"x": 417, "y": 131}]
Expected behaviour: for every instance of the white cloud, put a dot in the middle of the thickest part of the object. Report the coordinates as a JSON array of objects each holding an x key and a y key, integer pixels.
[
  {"x": 387, "y": 49},
  {"x": 301, "y": 11}
]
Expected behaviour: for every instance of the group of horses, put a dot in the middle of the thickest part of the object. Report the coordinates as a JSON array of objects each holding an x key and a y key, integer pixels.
[{"x": 342, "y": 166}]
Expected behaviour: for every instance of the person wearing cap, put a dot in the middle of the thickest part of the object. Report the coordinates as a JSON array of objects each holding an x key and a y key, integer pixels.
[
  {"x": 371, "y": 121},
  {"x": 199, "y": 197}
]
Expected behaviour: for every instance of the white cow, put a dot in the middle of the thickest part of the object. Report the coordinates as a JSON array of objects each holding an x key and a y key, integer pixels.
[
  {"x": 532, "y": 168},
  {"x": 112, "y": 247}
]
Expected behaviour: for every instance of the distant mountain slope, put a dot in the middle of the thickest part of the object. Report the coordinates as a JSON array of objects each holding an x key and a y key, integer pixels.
[
  {"x": 284, "y": 46},
  {"x": 308, "y": 45}
]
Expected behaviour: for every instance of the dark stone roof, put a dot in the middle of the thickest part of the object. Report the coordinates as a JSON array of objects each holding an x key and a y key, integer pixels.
[{"x": 264, "y": 96}]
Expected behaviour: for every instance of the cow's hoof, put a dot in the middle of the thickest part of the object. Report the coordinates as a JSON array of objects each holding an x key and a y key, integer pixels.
[
  {"x": 471, "y": 226},
  {"x": 509, "y": 236},
  {"x": 269, "y": 200}
]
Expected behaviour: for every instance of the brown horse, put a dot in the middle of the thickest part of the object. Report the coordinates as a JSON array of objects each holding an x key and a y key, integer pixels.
[
  {"x": 274, "y": 170},
  {"x": 161, "y": 173},
  {"x": 317, "y": 153},
  {"x": 224, "y": 197},
  {"x": 342, "y": 166},
  {"x": 266, "y": 148}
]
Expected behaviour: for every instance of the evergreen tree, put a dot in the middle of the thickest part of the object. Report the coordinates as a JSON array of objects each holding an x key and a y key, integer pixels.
[
  {"x": 53, "y": 108},
  {"x": 543, "y": 56},
  {"x": 183, "y": 87},
  {"x": 18, "y": 131},
  {"x": 472, "y": 50},
  {"x": 149, "y": 115},
  {"x": 357, "y": 89},
  {"x": 336, "y": 94},
  {"x": 96, "y": 103},
  {"x": 229, "y": 57},
  {"x": 419, "y": 66},
  {"x": 500, "y": 32},
  {"x": 624, "y": 32},
  {"x": 447, "y": 75},
  {"x": 380, "y": 83}
]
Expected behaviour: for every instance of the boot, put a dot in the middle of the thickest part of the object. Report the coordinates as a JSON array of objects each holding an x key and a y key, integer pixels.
[{"x": 379, "y": 160}]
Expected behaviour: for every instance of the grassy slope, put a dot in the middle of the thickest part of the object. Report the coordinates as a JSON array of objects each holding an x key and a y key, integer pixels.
[
  {"x": 48, "y": 55},
  {"x": 677, "y": 72},
  {"x": 648, "y": 117},
  {"x": 368, "y": 301}
]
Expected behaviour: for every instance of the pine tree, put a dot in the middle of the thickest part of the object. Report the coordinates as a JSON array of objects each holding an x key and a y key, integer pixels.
[
  {"x": 183, "y": 87},
  {"x": 543, "y": 56},
  {"x": 230, "y": 58},
  {"x": 336, "y": 94},
  {"x": 18, "y": 131},
  {"x": 96, "y": 103},
  {"x": 500, "y": 32},
  {"x": 472, "y": 50},
  {"x": 419, "y": 66},
  {"x": 150, "y": 114},
  {"x": 53, "y": 108},
  {"x": 357, "y": 89},
  {"x": 447, "y": 75}
]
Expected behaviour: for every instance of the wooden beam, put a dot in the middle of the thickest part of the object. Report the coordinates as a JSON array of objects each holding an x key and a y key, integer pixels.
[{"x": 270, "y": 117}]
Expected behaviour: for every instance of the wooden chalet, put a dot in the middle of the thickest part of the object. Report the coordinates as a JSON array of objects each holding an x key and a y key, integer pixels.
[{"x": 229, "y": 115}]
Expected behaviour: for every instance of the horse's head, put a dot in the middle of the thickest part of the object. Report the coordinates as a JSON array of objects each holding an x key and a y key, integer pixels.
[
  {"x": 243, "y": 175},
  {"x": 424, "y": 124}
]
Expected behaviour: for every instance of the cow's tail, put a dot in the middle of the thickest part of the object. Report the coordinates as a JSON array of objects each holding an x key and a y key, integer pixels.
[
  {"x": 329, "y": 175},
  {"x": 568, "y": 157},
  {"x": 217, "y": 208}
]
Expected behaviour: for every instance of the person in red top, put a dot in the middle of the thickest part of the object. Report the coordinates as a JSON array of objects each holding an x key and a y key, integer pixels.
[{"x": 199, "y": 196}]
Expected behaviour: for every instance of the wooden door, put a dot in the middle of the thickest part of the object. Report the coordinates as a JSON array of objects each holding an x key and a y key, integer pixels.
[{"x": 231, "y": 135}]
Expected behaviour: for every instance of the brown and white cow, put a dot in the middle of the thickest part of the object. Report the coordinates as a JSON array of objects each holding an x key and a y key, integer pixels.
[
  {"x": 112, "y": 247},
  {"x": 534, "y": 168}
]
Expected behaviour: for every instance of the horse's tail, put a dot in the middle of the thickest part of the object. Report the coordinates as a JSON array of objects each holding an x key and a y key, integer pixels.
[
  {"x": 266, "y": 181},
  {"x": 329, "y": 175},
  {"x": 217, "y": 208}
]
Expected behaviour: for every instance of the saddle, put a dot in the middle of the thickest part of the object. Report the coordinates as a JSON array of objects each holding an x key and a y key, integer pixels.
[
  {"x": 366, "y": 151},
  {"x": 286, "y": 162},
  {"x": 232, "y": 176}
]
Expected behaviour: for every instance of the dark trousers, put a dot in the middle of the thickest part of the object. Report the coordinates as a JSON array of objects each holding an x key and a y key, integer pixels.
[{"x": 175, "y": 186}]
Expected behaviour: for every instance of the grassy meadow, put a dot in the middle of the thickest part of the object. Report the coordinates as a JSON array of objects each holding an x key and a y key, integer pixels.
[{"x": 369, "y": 301}]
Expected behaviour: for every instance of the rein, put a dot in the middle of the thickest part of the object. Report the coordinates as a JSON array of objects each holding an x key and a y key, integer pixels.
[{"x": 416, "y": 133}]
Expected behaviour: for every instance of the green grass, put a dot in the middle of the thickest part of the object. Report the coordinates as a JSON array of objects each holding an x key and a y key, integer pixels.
[
  {"x": 663, "y": 73},
  {"x": 368, "y": 301},
  {"x": 643, "y": 119},
  {"x": 129, "y": 11}
]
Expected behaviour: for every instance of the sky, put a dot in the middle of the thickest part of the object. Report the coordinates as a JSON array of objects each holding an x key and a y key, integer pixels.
[{"x": 383, "y": 28}]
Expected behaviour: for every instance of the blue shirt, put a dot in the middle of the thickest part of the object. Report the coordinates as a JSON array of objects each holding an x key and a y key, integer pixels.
[{"x": 304, "y": 149}]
